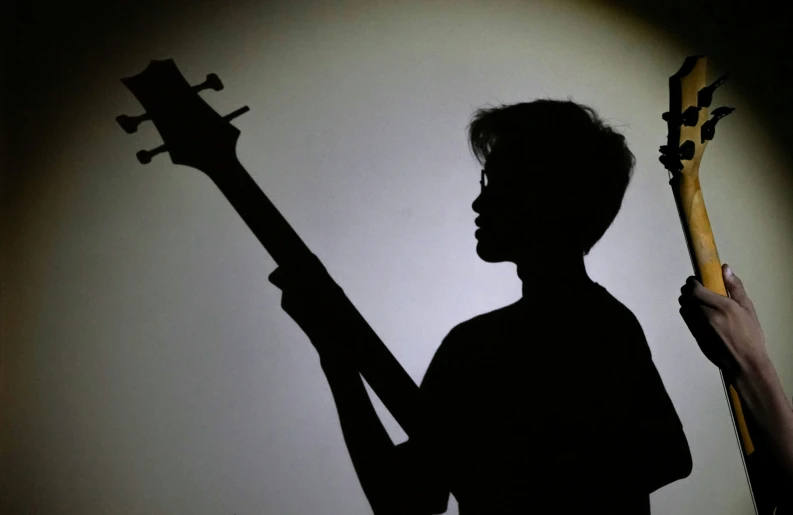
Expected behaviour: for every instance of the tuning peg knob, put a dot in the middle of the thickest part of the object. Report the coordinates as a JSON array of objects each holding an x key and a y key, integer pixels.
[
  {"x": 130, "y": 123},
  {"x": 239, "y": 112},
  {"x": 687, "y": 150},
  {"x": 705, "y": 95},
  {"x": 670, "y": 161},
  {"x": 671, "y": 119},
  {"x": 689, "y": 117},
  {"x": 144, "y": 156},
  {"x": 709, "y": 127},
  {"x": 212, "y": 82},
  {"x": 671, "y": 164}
]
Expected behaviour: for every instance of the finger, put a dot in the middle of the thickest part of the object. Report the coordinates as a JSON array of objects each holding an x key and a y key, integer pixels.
[
  {"x": 286, "y": 278},
  {"x": 277, "y": 278},
  {"x": 703, "y": 295},
  {"x": 707, "y": 340},
  {"x": 688, "y": 287},
  {"x": 736, "y": 289},
  {"x": 690, "y": 280},
  {"x": 699, "y": 317},
  {"x": 696, "y": 326},
  {"x": 694, "y": 318}
]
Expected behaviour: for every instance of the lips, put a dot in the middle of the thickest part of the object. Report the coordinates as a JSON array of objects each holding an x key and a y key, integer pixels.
[{"x": 478, "y": 222}]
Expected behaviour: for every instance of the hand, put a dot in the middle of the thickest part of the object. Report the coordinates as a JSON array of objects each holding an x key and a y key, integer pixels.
[
  {"x": 726, "y": 328},
  {"x": 310, "y": 297}
]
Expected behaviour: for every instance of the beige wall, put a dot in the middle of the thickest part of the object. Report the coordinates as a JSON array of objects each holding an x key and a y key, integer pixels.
[{"x": 146, "y": 364}]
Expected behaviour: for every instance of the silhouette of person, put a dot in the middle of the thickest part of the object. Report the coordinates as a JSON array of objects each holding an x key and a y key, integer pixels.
[{"x": 550, "y": 404}]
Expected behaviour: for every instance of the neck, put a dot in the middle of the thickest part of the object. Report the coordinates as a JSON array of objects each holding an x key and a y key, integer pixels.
[{"x": 556, "y": 274}]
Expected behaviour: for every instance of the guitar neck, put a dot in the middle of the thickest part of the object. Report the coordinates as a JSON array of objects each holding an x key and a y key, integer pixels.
[
  {"x": 707, "y": 266},
  {"x": 699, "y": 236},
  {"x": 690, "y": 126}
]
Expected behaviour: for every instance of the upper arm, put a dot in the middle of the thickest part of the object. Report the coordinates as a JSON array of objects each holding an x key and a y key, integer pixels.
[
  {"x": 415, "y": 457},
  {"x": 426, "y": 494},
  {"x": 660, "y": 440}
]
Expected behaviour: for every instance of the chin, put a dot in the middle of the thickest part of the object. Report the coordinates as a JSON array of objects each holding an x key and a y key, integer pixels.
[{"x": 491, "y": 253}]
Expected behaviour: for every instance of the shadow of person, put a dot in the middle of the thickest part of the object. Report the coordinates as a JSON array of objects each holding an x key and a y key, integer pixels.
[{"x": 551, "y": 404}]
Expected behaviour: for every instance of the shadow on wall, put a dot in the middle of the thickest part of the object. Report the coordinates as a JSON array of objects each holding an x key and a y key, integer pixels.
[
  {"x": 553, "y": 394},
  {"x": 502, "y": 413}
]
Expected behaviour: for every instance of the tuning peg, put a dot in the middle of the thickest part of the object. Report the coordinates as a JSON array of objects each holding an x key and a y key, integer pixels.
[
  {"x": 673, "y": 119},
  {"x": 690, "y": 117},
  {"x": 705, "y": 95},
  {"x": 709, "y": 127},
  {"x": 212, "y": 82},
  {"x": 239, "y": 112},
  {"x": 671, "y": 164},
  {"x": 130, "y": 123},
  {"x": 721, "y": 112},
  {"x": 144, "y": 156},
  {"x": 687, "y": 150}
]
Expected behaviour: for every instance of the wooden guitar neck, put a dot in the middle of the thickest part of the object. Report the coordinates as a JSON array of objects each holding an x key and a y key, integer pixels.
[{"x": 689, "y": 130}]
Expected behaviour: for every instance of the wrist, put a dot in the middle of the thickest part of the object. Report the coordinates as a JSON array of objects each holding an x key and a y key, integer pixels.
[
  {"x": 755, "y": 369},
  {"x": 759, "y": 385}
]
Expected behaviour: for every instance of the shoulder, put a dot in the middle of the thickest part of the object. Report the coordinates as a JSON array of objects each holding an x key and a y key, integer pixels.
[
  {"x": 484, "y": 322},
  {"x": 469, "y": 332},
  {"x": 462, "y": 341},
  {"x": 616, "y": 307},
  {"x": 621, "y": 322}
]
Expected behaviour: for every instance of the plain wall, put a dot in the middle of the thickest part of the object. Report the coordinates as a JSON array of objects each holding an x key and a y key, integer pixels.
[{"x": 146, "y": 364}]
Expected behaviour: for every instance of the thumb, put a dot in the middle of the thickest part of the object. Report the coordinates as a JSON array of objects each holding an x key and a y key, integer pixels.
[
  {"x": 277, "y": 278},
  {"x": 735, "y": 288}
]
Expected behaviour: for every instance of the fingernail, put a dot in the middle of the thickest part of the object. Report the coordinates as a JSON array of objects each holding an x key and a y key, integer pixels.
[{"x": 729, "y": 271}]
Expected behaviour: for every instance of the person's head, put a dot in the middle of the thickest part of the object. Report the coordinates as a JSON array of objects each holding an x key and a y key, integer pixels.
[{"x": 553, "y": 180}]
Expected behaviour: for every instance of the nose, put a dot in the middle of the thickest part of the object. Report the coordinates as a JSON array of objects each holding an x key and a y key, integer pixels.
[{"x": 477, "y": 204}]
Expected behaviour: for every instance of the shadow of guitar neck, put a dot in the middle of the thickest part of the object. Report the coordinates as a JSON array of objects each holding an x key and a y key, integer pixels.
[{"x": 392, "y": 384}]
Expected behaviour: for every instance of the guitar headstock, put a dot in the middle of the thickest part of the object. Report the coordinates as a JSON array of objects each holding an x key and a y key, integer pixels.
[
  {"x": 688, "y": 122},
  {"x": 192, "y": 132}
]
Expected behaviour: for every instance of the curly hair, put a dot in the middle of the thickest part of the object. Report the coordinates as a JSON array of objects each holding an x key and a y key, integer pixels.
[{"x": 585, "y": 154}]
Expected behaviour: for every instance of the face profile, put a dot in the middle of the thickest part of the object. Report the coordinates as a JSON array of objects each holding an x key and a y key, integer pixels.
[
  {"x": 516, "y": 210},
  {"x": 495, "y": 233}
]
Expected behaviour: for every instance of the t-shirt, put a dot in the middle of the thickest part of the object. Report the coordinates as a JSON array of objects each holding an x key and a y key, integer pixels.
[{"x": 545, "y": 406}]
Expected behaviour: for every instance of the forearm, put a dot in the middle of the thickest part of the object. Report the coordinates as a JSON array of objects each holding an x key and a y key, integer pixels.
[
  {"x": 761, "y": 390},
  {"x": 371, "y": 448}
]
